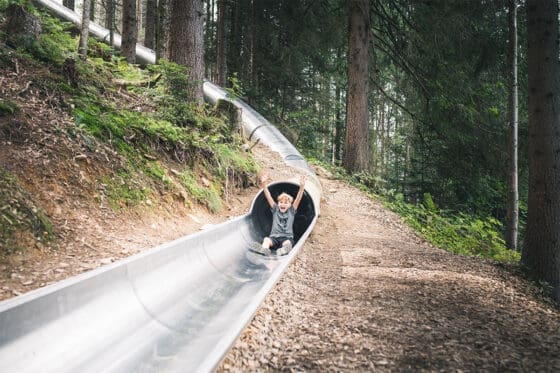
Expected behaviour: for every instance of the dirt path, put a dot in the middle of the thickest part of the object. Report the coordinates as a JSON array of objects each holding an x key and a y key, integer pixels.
[{"x": 366, "y": 294}]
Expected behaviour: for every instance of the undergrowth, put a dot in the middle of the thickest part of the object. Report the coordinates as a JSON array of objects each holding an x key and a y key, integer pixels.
[
  {"x": 160, "y": 121},
  {"x": 144, "y": 115},
  {"x": 453, "y": 231}
]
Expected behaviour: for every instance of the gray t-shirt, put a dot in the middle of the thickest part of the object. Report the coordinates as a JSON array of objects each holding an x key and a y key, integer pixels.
[{"x": 282, "y": 222}]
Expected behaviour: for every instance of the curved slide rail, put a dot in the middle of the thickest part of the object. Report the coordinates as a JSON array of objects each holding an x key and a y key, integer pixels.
[{"x": 177, "y": 307}]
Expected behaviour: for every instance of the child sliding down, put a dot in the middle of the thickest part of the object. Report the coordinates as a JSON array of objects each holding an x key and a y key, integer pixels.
[{"x": 281, "y": 237}]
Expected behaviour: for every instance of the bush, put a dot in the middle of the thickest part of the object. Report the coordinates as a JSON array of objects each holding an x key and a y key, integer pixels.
[{"x": 456, "y": 232}]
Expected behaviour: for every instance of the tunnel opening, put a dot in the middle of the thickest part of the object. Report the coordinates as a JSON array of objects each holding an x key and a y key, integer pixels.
[{"x": 262, "y": 216}]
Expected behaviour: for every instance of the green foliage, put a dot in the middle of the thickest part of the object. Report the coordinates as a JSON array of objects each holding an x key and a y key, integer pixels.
[
  {"x": 53, "y": 45},
  {"x": 8, "y": 107},
  {"x": 4, "y": 4},
  {"x": 456, "y": 232},
  {"x": 235, "y": 88},
  {"x": 429, "y": 202},
  {"x": 230, "y": 158},
  {"x": 156, "y": 170},
  {"x": 182, "y": 131},
  {"x": 123, "y": 191},
  {"x": 174, "y": 83},
  {"x": 207, "y": 196},
  {"x": 18, "y": 214}
]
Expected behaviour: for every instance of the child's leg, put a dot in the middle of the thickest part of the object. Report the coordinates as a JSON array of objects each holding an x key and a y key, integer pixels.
[
  {"x": 260, "y": 248},
  {"x": 285, "y": 248},
  {"x": 267, "y": 243}
]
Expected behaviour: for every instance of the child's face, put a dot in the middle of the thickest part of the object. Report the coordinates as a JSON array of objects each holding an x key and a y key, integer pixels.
[{"x": 284, "y": 204}]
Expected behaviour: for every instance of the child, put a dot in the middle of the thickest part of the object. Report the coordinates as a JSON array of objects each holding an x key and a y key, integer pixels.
[{"x": 283, "y": 213}]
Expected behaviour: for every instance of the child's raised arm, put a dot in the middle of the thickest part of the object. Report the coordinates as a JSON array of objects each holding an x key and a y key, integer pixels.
[
  {"x": 264, "y": 187},
  {"x": 300, "y": 192}
]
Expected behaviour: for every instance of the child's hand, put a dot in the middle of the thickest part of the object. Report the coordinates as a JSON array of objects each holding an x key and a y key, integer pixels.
[
  {"x": 302, "y": 179},
  {"x": 263, "y": 180}
]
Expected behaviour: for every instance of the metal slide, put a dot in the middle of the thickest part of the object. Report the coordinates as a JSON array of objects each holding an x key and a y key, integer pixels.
[{"x": 175, "y": 308}]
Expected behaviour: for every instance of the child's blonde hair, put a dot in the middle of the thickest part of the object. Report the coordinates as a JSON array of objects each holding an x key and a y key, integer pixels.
[{"x": 285, "y": 197}]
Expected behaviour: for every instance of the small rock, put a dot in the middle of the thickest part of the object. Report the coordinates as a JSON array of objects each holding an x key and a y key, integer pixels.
[{"x": 106, "y": 261}]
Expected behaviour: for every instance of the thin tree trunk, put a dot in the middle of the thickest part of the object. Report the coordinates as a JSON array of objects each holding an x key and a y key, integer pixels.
[
  {"x": 151, "y": 24},
  {"x": 139, "y": 19},
  {"x": 84, "y": 34},
  {"x": 162, "y": 31},
  {"x": 513, "y": 191},
  {"x": 186, "y": 43},
  {"x": 92, "y": 10},
  {"x": 541, "y": 253},
  {"x": 234, "y": 50},
  {"x": 339, "y": 125},
  {"x": 130, "y": 31},
  {"x": 221, "y": 46},
  {"x": 110, "y": 21},
  {"x": 252, "y": 72},
  {"x": 211, "y": 61},
  {"x": 356, "y": 148}
]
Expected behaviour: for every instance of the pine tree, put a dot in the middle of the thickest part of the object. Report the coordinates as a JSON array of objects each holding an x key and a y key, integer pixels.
[
  {"x": 186, "y": 45},
  {"x": 356, "y": 146}
]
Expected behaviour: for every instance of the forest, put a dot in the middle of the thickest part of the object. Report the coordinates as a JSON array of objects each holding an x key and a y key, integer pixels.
[
  {"x": 423, "y": 102},
  {"x": 132, "y": 190}
]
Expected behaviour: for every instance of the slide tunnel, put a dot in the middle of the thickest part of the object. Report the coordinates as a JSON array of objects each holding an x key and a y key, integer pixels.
[{"x": 175, "y": 308}]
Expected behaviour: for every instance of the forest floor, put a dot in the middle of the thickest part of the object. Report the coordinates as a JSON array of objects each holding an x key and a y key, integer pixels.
[{"x": 364, "y": 293}]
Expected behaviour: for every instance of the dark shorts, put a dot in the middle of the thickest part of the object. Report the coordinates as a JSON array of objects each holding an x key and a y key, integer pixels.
[{"x": 277, "y": 241}]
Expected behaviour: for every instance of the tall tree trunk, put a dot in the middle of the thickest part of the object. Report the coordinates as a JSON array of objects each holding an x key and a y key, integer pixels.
[
  {"x": 541, "y": 253},
  {"x": 221, "y": 46},
  {"x": 70, "y": 4},
  {"x": 513, "y": 191},
  {"x": 356, "y": 146},
  {"x": 162, "y": 31},
  {"x": 130, "y": 31},
  {"x": 186, "y": 43},
  {"x": 151, "y": 24},
  {"x": 82, "y": 46}
]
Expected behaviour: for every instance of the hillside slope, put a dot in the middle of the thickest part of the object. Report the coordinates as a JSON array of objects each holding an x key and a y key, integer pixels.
[{"x": 72, "y": 199}]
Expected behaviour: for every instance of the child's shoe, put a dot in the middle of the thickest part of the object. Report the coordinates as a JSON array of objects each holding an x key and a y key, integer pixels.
[
  {"x": 257, "y": 248},
  {"x": 284, "y": 249}
]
